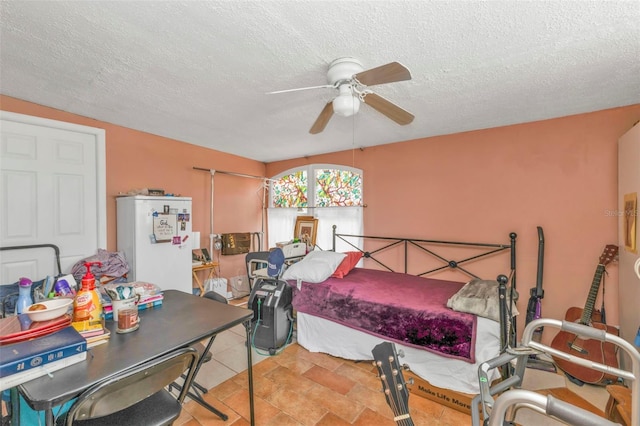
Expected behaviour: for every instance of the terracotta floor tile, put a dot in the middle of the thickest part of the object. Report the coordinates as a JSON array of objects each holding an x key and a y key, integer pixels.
[
  {"x": 240, "y": 422},
  {"x": 293, "y": 362},
  {"x": 283, "y": 419},
  {"x": 373, "y": 400},
  {"x": 341, "y": 405},
  {"x": 289, "y": 379},
  {"x": 263, "y": 410},
  {"x": 224, "y": 389},
  {"x": 323, "y": 360},
  {"x": 370, "y": 418},
  {"x": 329, "y": 379},
  {"x": 185, "y": 419},
  {"x": 331, "y": 419},
  {"x": 298, "y": 406},
  {"x": 206, "y": 417},
  {"x": 365, "y": 376}
]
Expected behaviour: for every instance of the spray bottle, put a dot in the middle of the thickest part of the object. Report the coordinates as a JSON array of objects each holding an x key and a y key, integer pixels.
[{"x": 87, "y": 305}]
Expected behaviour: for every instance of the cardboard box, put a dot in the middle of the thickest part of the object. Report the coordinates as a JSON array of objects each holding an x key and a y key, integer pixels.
[
  {"x": 447, "y": 397},
  {"x": 292, "y": 249}
]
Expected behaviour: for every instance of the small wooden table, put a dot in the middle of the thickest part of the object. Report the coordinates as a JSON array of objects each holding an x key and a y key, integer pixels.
[
  {"x": 211, "y": 267},
  {"x": 619, "y": 404}
]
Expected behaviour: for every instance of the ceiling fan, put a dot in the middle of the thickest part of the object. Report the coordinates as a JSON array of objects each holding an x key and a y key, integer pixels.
[{"x": 347, "y": 76}]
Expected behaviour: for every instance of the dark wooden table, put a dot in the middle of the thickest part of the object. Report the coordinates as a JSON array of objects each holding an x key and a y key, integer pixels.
[{"x": 181, "y": 320}]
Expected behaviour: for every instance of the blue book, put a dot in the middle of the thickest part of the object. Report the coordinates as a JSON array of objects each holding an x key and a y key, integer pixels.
[{"x": 22, "y": 356}]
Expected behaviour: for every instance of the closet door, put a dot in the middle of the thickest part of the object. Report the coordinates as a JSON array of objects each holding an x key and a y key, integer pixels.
[
  {"x": 52, "y": 191},
  {"x": 628, "y": 186}
]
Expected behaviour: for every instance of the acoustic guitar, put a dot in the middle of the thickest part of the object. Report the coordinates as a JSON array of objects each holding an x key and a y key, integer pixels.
[
  {"x": 393, "y": 384},
  {"x": 589, "y": 349}
]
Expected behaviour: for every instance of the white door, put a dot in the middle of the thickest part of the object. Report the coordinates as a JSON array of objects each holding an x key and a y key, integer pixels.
[{"x": 52, "y": 191}]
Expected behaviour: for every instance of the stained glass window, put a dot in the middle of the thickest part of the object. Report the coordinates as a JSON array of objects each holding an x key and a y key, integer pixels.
[
  {"x": 338, "y": 188},
  {"x": 291, "y": 190},
  {"x": 331, "y": 187}
]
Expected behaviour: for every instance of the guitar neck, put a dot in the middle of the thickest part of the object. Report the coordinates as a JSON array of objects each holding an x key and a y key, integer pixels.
[
  {"x": 585, "y": 319},
  {"x": 393, "y": 385}
]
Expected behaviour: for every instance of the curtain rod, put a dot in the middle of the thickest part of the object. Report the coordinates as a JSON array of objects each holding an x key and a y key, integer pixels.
[{"x": 232, "y": 173}]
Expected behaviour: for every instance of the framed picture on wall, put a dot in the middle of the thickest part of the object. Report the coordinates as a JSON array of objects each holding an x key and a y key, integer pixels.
[
  {"x": 629, "y": 222},
  {"x": 306, "y": 229}
]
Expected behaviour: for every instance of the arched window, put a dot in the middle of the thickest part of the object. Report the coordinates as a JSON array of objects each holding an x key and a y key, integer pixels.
[{"x": 330, "y": 193}]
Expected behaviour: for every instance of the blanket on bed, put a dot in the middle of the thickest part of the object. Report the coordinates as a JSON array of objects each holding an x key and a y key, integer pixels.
[{"x": 404, "y": 308}]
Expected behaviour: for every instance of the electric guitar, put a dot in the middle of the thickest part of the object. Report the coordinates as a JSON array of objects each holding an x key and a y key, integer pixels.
[
  {"x": 589, "y": 349},
  {"x": 393, "y": 384}
]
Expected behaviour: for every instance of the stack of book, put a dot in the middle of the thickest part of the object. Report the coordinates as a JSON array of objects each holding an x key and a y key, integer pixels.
[
  {"x": 32, "y": 354},
  {"x": 146, "y": 302}
]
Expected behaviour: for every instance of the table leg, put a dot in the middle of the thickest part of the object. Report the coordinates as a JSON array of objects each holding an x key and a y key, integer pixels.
[
  {"x": 247, "y": 326},
  {"x": 195, "y": 277}
]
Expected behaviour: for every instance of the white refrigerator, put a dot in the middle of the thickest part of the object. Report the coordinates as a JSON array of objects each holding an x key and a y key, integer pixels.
[{"x": 154, "y": 235}]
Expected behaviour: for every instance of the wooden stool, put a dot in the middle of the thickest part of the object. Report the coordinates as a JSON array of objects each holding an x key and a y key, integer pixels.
[{"x": 619, "y": 405}]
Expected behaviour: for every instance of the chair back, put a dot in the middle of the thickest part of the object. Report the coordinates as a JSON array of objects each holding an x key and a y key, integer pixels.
[
  {"x": 134, "y": 385},
  {"x": 216, "y": 296},
  {"x": 256, "y": 260}
]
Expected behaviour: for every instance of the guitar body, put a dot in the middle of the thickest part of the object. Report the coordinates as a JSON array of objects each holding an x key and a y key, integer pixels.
[{"x": 590, "y": 349}]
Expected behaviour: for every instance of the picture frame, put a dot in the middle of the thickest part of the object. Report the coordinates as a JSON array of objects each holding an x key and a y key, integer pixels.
[
  {"x": 629, "y": 222},
  {"x": 196, "y": 257},
  {"x": 200, "y": 256},
  {"x": 306, "y": 229},
  {"x": 206, "y": 258}
]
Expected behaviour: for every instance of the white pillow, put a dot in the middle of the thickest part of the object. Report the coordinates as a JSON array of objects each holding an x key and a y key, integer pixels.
[{"x": 315, "y": 267}]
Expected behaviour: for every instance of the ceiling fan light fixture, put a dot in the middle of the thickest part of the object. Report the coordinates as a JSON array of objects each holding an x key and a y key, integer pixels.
[{"x": 346, "y": 104}]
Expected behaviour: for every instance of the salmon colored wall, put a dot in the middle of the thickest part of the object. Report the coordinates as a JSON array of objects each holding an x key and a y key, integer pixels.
[
  {"x": 560, "y": 174},
  {"x": 142, "y": 160}
]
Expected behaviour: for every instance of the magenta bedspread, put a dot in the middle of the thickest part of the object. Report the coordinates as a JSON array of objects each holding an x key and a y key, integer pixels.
[{"x": 403, "y": 308}]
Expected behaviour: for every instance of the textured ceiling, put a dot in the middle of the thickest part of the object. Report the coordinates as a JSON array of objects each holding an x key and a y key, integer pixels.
[{"x": 198, "y": 71}]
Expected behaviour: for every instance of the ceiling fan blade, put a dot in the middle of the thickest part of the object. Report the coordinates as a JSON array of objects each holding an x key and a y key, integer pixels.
[
  {"x": 323, "y": 119},
  {"x": 324, "y": 86},
  {"x": 389, "y": 109},
  {"x": 388, "y": 73}
]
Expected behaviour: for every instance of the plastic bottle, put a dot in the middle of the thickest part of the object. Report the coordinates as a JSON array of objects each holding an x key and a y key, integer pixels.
[
  {"x": 24, "y": 295},
  {"x": 87, "y": 305}
]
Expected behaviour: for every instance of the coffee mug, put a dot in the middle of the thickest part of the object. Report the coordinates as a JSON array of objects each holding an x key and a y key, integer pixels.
[{"x": 117, "y": 305}]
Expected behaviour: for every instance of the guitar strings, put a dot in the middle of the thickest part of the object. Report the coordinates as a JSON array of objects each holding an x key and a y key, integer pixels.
[{"x": 404, "y": 419}]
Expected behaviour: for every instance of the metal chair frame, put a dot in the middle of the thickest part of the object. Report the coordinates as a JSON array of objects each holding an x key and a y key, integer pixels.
[{"x": 123, "y": 396}]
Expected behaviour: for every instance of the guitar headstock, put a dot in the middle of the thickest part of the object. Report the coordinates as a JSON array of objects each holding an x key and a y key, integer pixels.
[
  {"x": 393, "y": 384},
  {"x": 609, "y": 254}
]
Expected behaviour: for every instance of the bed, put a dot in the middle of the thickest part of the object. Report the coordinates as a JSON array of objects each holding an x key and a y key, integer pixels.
[{"x": 347, "y": 314}]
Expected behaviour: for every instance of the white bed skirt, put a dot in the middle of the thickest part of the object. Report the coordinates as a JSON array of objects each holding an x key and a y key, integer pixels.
[{"x": 321, "y": 335}]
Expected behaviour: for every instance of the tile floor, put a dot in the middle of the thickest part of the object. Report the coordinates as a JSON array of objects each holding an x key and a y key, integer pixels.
[{"x": 297, "y": 387}]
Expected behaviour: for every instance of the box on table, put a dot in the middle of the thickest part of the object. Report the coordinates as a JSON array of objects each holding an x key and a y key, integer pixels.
[
  {"x": 292, "y": 249},
  {"x": 447, "y": 397}
]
